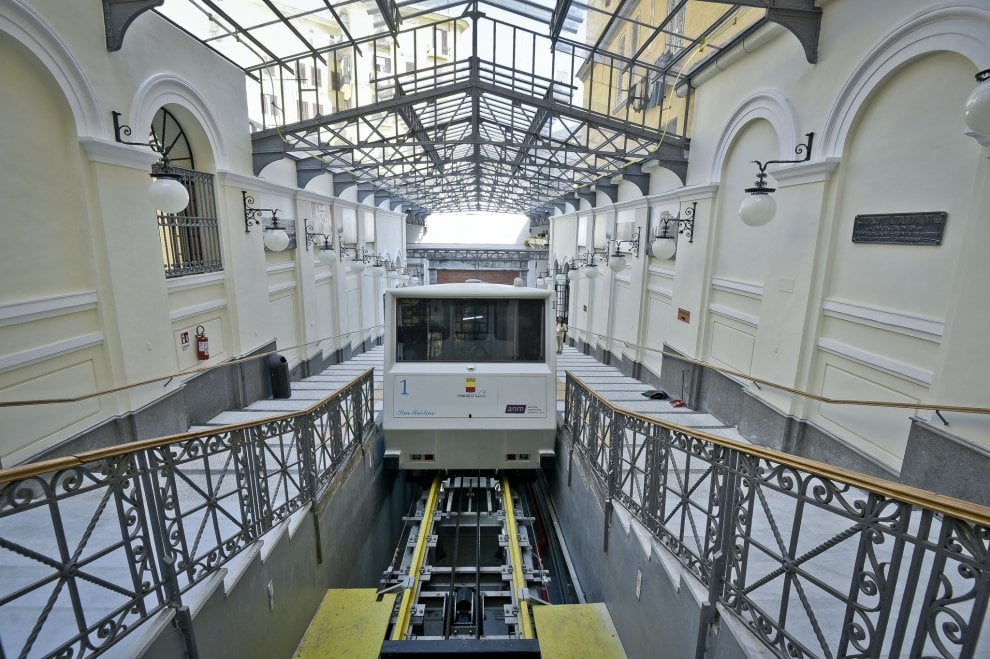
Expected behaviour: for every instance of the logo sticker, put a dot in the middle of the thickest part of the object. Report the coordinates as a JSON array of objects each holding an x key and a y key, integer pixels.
[
  {"x": 469, "y": 385},
  {"x": 515, "y": 409}
]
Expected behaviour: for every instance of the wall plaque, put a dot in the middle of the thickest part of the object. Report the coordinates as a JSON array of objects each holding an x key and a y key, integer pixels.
[{"x": 900, "y": 228}]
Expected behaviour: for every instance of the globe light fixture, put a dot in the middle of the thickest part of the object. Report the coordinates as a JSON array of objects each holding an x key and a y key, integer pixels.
[
  {"x": 324, "y": 251},
  {"x": 976, "y": 112},
  {"x": 166, "y": 191},
  {"x": 617, "y": 259},
  {"x": 664, "y": 244},
  {"x": 663, "y": 248},
  {"x": 759, "y": 207},
  {"x": 616, "y": 262},
  {"x": 275, "y": 238}
]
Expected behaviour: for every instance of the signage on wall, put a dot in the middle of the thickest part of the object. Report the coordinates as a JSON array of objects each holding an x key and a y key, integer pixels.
[{"x": 900, "y": 228}]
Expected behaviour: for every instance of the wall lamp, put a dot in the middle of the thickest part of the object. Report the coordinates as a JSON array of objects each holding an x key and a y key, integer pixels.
[
  {"x": 166, "y": 190},
  {"x": 977, "y": 108},
  {"x": 358, "y": 257},
  {"x": 325, "y": 250},
  {"x": 664, "y": 244},
  {"x": 275, "y": 237},
  {"x": 590, "y": 268},
  {"x": 617, "y": 259},
  {"x": 759, "y": 207}
]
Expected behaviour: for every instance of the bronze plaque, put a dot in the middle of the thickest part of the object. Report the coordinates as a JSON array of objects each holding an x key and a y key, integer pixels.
[
  {"x": 900, "y": 228},
  {"x": 683, "y": 315}
]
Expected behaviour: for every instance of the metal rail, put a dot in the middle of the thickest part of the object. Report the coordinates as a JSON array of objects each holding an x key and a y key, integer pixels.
[
  {"x": 466, "y": 569},
  {"x": 816, "y": 561},
  {"x": 401, "y": 628},
  {"x": 518, "y": 574},
  {"x": 106, "y": 540}
]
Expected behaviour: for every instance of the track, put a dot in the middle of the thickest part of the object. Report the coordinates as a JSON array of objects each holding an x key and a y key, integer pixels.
[{"x": 468, "y": 568}]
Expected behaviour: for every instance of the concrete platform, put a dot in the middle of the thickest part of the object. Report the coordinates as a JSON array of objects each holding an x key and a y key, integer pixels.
[
  {"x": 577, "y": 631},
  {"x": 349, "y": 623}
]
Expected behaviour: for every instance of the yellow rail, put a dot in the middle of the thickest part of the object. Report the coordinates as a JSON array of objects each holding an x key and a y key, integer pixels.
[
  {"x": 416, "y": 566},
  {"x": 518, "y": 578}
]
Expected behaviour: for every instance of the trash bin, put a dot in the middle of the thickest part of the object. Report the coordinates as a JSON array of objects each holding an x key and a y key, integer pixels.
[{"x": 278, "y": 375}]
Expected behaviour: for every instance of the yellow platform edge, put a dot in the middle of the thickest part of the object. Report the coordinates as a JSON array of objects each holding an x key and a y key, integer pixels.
[
  {"x": 349, "y": 623},
  {"x": 577, "y": 631}
]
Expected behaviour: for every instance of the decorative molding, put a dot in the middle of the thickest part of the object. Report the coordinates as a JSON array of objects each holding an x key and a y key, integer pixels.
[
  {"x": 281, "y": 288},
  {"x": 276, "y": 268},
  {"x": 661, "y": 272},
  {"x": 814, "y": 171},
  {"x": 739, "y": 287},
  {"x": 324, "y": 276},
  {"x": 46, "y": 307},
  {"x": 26, "y": 26},
  {"x": 687, "y": 193},
  {"x": 880, "y": 362},
  {"x": 957, "y": 27},
  {"x": 41, "y": 353},
  {"x": 662, "y": 292},
  {"x": 111, "y": 153},
  {"x": 768, "y": 104},
  {"x": 162, "y": 89},
  {"x": 735, "y": 314},
  {"x": 231, "y": 179},
  {"x": 623, "y": 279},
  {"x": 197, "y": 309},
  {"x": 920, "y": 327},
  {"x": 194, "y": 281}
]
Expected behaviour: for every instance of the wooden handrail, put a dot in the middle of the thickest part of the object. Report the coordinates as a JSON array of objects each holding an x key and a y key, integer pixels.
[
  {"x": 55, "y": 464},
  {"x": 958, "y": 508}
]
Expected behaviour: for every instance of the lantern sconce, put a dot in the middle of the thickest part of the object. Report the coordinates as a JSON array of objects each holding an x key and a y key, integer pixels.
[
  {"x": 276, "y": 238},
  {"x": 166, "y": 189},
  {"x": 617, "y": 259},
  {"x": 976, "y": 112},
  {"x": 325, "y": 250},
  {"x": 759, "y": 207},
  {"x": 664, "y": 243}
]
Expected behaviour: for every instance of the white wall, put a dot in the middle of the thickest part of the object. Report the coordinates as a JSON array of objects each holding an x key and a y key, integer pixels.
[
  {"x": 796, "y": 302},
  {"x": 85, "y": 305}
]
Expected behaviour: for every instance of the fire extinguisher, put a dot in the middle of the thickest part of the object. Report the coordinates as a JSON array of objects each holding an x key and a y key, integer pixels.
[{"x": 202, "y": 344}]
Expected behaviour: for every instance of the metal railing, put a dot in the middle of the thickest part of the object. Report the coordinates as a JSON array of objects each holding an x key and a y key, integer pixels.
[
  {"x": 94, "y": 545},
  {"x": 816, "y": 561}
]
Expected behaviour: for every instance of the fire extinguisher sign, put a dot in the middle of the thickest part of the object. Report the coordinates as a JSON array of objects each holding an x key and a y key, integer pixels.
[{"x": 184, "y": 340}]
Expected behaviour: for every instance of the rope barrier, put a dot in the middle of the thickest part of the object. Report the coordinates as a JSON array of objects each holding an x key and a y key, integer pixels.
[
  {"x": 187, "y": 372},
  {"x": 935, "y": 407}
]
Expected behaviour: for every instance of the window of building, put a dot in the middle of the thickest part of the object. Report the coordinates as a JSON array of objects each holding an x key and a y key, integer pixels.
[
  {"x": 676, "y": 27},
  {"x": 190, "y": 239}
]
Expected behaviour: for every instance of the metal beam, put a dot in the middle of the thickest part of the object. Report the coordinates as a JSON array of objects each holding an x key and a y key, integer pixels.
[
  {"x": 800, "y": 17},
  {"x": 558, "y": 17},
  {"x": 118, "y": 16}
]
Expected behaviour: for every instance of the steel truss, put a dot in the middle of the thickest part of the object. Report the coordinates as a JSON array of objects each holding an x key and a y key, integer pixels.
[{"x": 539, "y": 102}]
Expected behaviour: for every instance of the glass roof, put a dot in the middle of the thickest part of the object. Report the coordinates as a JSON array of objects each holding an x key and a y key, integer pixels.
[{"x": 453, "y": 105}]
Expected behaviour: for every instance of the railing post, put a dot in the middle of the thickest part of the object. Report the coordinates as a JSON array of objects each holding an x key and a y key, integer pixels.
[
  {"x": 166, "y": 561},
  {"x": 614, "y": 460},
  {"x": 727, "y": 497},
  {"x": 571, "y": 407},
  {"x": 303, "y": 427}
]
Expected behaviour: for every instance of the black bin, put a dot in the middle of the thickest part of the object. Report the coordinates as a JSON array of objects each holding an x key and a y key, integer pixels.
[{"x": 278, "y": 375}]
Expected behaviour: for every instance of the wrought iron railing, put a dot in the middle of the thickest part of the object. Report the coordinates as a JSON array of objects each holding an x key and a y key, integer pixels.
[
  {"x": 94, "y": 545},
  {"x": 816, "y": 561}
]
